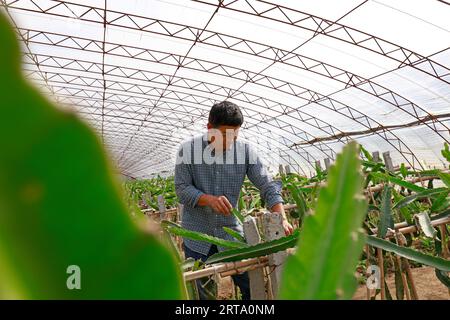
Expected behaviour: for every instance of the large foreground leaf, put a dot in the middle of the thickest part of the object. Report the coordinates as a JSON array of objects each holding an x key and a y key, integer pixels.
[
  {"x": 332, "y": 239},
  {"x": 60, "y": 206}
]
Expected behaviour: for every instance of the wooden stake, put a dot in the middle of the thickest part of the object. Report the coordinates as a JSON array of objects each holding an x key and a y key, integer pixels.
[
  {"x": 318, "y": 165},
  {"x": 413, "y": 289},
  {"x": 227, "y": 268},
  {"x": 327, "y": 162},
  {"x": 287, "y": 169},
  {"x": 404, "y": 228},
  {"x": 367, "y": 266},
  {"x": 401, "y": 241},
  {"x": 381, "y": 266},
  {"x": 388, "y": 161},
  {"x": 444, "y": 244},
  {"x": 257, "y": 285},
  {"x": 273, "y": 229},
  {"x": 376, "y": 156},
  {"x": 404, "y": 281},
  {"x": 179, "y": 217}
]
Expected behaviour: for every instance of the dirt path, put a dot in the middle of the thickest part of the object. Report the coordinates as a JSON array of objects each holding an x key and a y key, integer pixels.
[{"x": 428, "y": 286}]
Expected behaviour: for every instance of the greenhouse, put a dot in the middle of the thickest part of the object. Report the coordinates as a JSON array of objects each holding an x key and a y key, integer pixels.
[{"x": 344, "y": 104}]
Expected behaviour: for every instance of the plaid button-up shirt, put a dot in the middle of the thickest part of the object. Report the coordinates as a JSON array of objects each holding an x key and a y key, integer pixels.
[{"x": 193, "y": 179}]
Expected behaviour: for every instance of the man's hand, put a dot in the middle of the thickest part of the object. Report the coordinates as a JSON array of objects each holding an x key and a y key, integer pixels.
[
  {"x": 288, "y": 229},
  {"x": 278, "y": 208},
  {"x": 219, "y": 204}
]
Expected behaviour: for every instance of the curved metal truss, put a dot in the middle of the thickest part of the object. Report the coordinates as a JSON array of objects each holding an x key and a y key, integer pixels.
[{"x": 145, "y": 94}]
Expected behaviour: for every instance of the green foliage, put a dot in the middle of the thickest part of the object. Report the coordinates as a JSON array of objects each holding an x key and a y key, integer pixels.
[
  {"x": 366, "y": 153},
  {"x": 176, "y": 229},
  {"x": 304, "y": 192},
  {"x": 409, "y": 253},
  {"x": 445, "y": 178},
  {"x": 234, "y": 234},
  {"x": 145, "y": 192},
  {"x": 386, "y": 219},
  {"x": 403, "y": 170},
  {"x": 238, "y": 215},
  {"x": 446, "y": 152},
  {"x": 420, "y": 195},
  {"x": 424, "y": 222},
  {"x": 320, "y": 174},
  {"x": 60, "y": 206},
  {"x": 241, "y": 203},
  {"x": 261, "y": 249},
  {"x": 440, "y": 203},
  {"x": 331, "y": 241},
  {"x": 398, "y": 181},
  {"x": 404, "y": 211},
  {"x": 299, "y": 201}
]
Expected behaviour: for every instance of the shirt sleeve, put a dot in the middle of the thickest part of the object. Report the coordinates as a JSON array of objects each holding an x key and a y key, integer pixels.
[
  {"x": 270, "y": 189},
  {"x": 185, "y": 190}
]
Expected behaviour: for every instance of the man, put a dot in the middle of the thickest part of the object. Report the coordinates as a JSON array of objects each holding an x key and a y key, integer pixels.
[{"x": 209, "y": 174}]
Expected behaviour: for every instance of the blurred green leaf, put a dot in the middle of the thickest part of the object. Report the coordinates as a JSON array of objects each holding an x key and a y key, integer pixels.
[
  {"x": 60, "y": 206},
  {"x": 399, "y": 288},
  {"x": 332, "y": 239}
]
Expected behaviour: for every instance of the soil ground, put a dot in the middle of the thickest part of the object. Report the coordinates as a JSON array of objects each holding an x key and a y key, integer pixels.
[{"x": 427, "y": 285}]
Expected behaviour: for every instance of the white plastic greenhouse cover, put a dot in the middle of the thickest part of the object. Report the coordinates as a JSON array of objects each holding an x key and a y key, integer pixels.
[{"x": 308, "y": 75}]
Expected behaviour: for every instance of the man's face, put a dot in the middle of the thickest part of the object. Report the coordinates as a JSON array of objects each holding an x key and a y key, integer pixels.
[{"x": 222, "y": 137}]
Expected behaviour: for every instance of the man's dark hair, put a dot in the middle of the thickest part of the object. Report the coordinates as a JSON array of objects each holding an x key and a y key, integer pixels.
[{"x": 225, "y": 113}]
